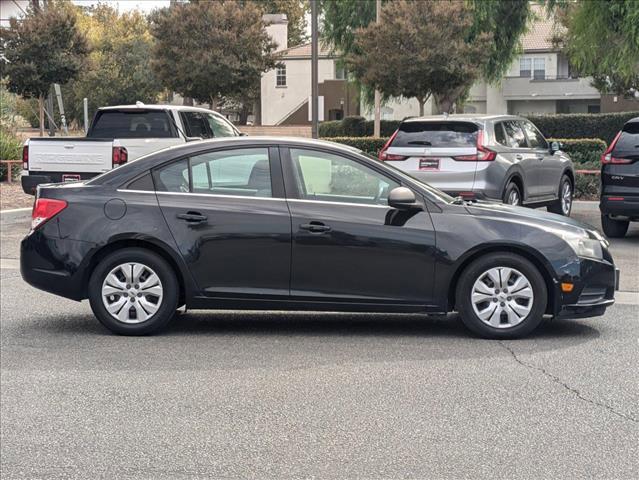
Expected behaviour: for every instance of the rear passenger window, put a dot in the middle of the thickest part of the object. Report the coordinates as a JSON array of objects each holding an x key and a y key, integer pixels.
[
  {"x": 143, "y": 183},
  {"x": 500, "y": 135},
  {"x": 514, "y": 135},
  {"x": 173, "y": 177},
  {"x": 132, "y": 124},
  {"x": 436, "y": 134}
]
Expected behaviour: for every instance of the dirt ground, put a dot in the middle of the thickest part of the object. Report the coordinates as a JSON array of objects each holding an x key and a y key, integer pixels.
[{"x": 12, "y": 196}]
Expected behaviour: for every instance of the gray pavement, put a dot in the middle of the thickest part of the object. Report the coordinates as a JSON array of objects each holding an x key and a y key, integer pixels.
[{"x": 281, "y": 395}]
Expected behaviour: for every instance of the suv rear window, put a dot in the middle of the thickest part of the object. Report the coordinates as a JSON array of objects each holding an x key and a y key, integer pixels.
[
  {"x": 629, "y": 138},
  {"x": 436, "y": 134},
  {"x": 132, "y": 124}
]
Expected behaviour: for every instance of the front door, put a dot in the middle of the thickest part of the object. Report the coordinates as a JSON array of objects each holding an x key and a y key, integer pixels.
[
  {"x": 231, "y": 227},
  {"x": 348, "y": 245}
]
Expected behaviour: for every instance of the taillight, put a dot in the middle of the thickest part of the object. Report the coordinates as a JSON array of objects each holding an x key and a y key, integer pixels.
[
  {"x": 44, "y": 210},
  {"x": 25, "y": 157},
  {"x": 607, "y": 157},
  {"x": 386, "y": 157},
  {"x": 120, "y": 156},
  {"x": 483, "y": 154}
]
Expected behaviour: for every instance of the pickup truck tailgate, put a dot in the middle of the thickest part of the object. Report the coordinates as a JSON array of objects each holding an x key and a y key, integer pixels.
[
  {"x": 138, "y": 147},
  {"x": 70, "y": 154}
]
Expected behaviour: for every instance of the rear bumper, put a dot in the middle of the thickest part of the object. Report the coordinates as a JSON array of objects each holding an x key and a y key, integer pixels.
[
  {"x": 30, "y": 182},
  {"x": 624, "y": 206}
]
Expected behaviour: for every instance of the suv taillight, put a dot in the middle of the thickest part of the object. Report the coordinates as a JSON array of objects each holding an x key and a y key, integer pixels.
[
  {"x": 44, "y": 210},
  {"x": 483, "y": 154},
  {"x": 25, "y": 157},
  {"x": 120, "y": 156},
  {"x": 607, "y": 157},
  {"x": 387, "y": 157}
]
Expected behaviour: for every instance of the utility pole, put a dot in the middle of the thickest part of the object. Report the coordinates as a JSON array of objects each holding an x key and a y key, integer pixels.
[
  {"x": 378, "y": 100},
  {"x": 314, "y": 59}
]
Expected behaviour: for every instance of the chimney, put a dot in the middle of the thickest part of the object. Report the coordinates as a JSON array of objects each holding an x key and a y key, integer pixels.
[{"x": 277, "y": 29}]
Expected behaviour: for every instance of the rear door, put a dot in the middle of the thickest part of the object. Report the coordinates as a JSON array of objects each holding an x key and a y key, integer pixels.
[
  {"x": 620, "y": 173},
  {"x": 430, "y": 151},
  {"x": 226, "y": 211},
  {"x": 140, "y": 131},
  {"x": 524, "y": 156}
]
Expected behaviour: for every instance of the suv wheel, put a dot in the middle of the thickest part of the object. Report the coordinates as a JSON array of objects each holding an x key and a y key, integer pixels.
[
  {"x": 133, "y": 292},
  {"x": 512, "y": 195},
  {"x": 614, "y": 228},
  {"x": 563, "y": 205},
  {"x": 501, "y": 295}
]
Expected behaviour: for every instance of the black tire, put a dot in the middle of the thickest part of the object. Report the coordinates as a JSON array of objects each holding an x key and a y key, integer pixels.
[
  {"x": 167, "y": 304},
  {"x": 512, "y": 190},
  {"x": 558, "y": 206},
  {"x": 475, "y": 271},
  {"x": 614, "y": 228}
]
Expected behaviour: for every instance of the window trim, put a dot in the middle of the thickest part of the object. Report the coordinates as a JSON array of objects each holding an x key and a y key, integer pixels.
[{"x": 279, "y": 75}]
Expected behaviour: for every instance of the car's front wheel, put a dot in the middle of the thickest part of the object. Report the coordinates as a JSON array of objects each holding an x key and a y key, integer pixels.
[
  {"x": 501, "y": 295},
  {"x": 133, "y": 291},
  {"x": 614, "y": 228},
  {"x": 563, "y": 204}
]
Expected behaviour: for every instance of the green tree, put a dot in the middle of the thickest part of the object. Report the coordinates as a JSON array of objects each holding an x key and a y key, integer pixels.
[
  {"x": 421, "y": 49},
  {"x": 43, "y": 48},
  {"x": 210, "y": 50},
  {"x": 601, "y": 40},
  {"x": 118, "y": 70}
]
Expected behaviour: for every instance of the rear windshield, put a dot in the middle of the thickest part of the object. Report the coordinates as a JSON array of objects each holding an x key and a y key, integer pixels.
[
  {"x": 132, "y": 124},
  {"x": 629, "y": 139},
  {"x": 436, "y": 134}
]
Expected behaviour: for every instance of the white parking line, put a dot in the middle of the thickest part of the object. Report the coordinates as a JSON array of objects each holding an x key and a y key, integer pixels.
[
  {"x": 9, "y": 263},
  {"x": 627, "y": 298}
]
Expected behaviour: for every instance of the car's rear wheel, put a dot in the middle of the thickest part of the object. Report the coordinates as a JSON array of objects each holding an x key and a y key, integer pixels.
[
  {"x": 614, "y": 228},
  {"x": 563, "y": 204},
  {"x": 512, "y": 195},
  {"x": 133, "y": 291},
  {"x": 501, "y": 295}
]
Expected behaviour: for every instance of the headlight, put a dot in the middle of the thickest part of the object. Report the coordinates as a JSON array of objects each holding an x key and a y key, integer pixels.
[{"x": 585, "y": 247}]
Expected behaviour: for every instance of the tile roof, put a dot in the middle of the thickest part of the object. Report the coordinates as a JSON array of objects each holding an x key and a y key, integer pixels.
[{"x": 541, "y": 31}]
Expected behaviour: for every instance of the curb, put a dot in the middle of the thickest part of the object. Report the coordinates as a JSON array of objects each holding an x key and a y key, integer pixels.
[{"x": 17, "y": 215}]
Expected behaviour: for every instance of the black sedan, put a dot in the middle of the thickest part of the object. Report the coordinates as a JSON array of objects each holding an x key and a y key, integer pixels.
[{"x": 273, "y": 224}]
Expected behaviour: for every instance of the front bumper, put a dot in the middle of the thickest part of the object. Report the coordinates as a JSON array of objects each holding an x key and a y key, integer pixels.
[{"x": 594, "y": 290}]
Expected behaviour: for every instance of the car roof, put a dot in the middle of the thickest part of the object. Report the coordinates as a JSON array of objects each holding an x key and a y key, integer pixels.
[
  {"x": 473, "y": 117},
  {"x": 633, "y": 120},
  {"x": 143, "y": 106}
]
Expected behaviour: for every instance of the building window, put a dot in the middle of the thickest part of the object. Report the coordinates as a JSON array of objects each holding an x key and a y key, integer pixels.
[
  {"x": 525, "y": 67},
  {"x": 594, "y": 109},
  {"x": 280, "y": 76},
  {"x": 540, "y": 69},
  {"x": 340, "y": 74}
]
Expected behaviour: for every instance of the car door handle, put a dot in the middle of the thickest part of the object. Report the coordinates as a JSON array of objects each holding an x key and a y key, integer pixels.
[
  {"x": 315, "y": 227},
  {"x": 519, "y": 156},
  {"x": 192, "y": 217}
]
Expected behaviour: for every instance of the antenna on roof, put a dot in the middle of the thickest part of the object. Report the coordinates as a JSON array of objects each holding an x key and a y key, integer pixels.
[{"x": 139, "y": 104}]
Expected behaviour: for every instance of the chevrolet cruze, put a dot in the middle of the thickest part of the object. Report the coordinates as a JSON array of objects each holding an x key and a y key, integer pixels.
[{"x": 295, "y": 224}]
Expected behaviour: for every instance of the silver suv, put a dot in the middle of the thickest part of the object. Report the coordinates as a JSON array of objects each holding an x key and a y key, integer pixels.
[{"x": 501, "y": 157}]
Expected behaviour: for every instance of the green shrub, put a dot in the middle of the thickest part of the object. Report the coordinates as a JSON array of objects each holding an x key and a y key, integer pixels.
[
  {"x": 582, "y": 150},
  {"x": 356, "y": 127},
  {"x": 10, "y": 149},
  {"x": 370, "y": 145},
  {"x": 587, "y": 187},
  {"x": 582, "y": 125}
]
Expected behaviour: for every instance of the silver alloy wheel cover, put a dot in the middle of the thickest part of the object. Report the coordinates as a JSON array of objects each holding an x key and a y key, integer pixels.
[
  {"x": 513, "y": 198},
  {"x": 132, "y": 293},
  {"x": 502, "y": 297},
  {"x": 566, "y": 198}
]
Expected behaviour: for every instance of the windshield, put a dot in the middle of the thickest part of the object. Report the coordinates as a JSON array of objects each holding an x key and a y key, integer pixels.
[
  {"x": 436, "y": 134},
  {"x": 438, "y": 194}
]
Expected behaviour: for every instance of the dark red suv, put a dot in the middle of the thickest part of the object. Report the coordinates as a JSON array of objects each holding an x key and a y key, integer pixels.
[{"x": 620, "y": 181}]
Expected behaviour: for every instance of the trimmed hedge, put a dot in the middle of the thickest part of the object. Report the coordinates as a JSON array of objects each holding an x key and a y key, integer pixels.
[
  {"x": 577, "y": 125},
  {"x": 370, "y": 145}
]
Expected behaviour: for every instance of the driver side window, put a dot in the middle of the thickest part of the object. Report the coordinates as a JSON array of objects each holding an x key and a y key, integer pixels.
[{"x": 331, "y": 178}]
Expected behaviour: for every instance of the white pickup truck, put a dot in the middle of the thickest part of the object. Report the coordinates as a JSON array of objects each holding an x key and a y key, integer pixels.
[{"x": 117, "y": 135}]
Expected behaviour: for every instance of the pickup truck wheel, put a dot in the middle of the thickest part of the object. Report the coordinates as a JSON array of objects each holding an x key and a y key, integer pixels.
[
  {"x": 614, "y": 228},
  {"x": 501, "y": 295},
  {"x": 563, "y": 204},
  {"x": 133, "y": 291},
  {"x": 512, "y": 195}
]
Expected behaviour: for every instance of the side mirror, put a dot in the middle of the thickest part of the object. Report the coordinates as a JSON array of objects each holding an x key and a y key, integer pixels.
[
  {"x": 193, "y": 139},
  {"x": 556, "y": 146},
  {"x": 402, "y": 198},
  {"x": 243, "y": 134}
]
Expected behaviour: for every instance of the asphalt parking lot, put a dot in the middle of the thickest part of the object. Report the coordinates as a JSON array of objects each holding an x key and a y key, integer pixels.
[{"x": 280, "y": 395}]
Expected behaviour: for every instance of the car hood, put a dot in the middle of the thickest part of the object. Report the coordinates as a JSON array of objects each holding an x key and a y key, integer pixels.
[{"x": 538, "y": 218}]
